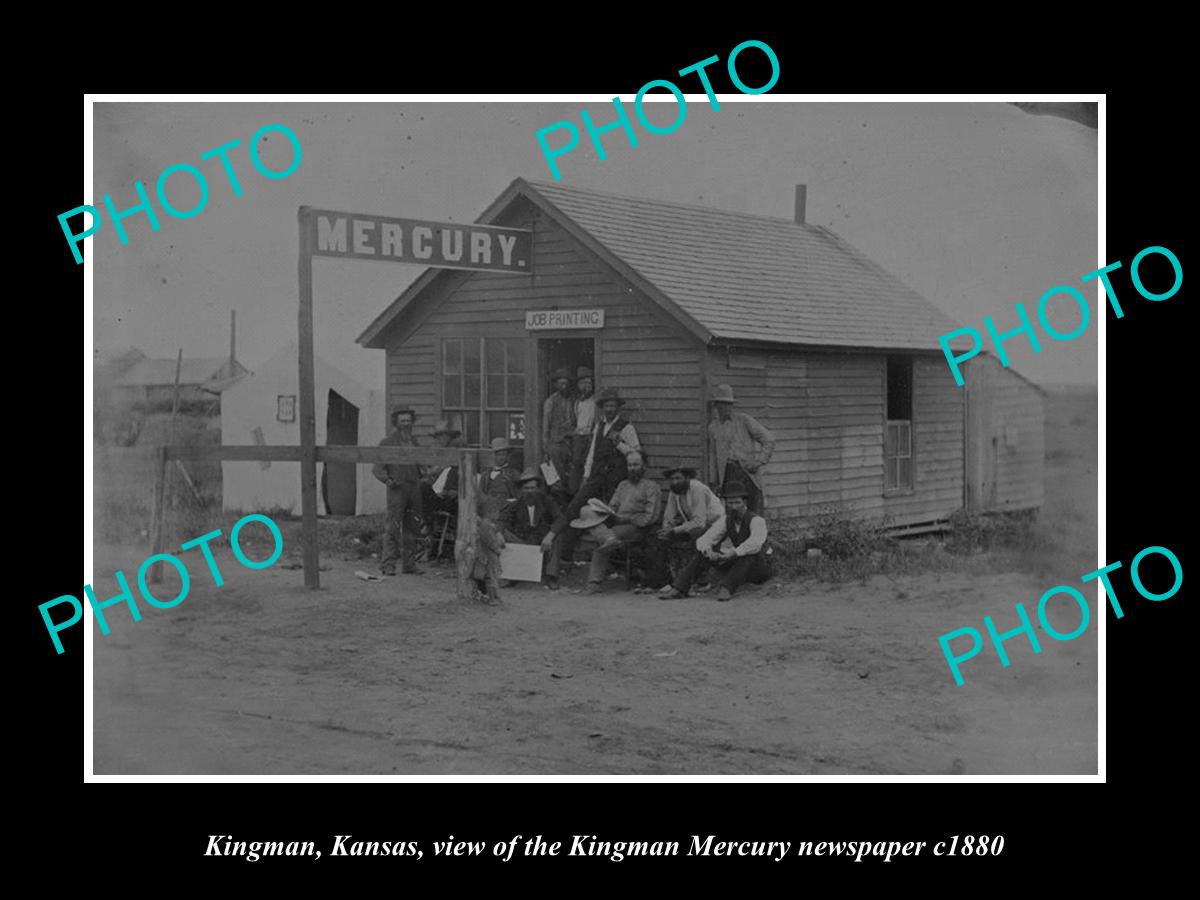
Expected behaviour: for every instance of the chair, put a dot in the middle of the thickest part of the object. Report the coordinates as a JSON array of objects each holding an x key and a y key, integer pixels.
[{"x": 444, "y": 523}]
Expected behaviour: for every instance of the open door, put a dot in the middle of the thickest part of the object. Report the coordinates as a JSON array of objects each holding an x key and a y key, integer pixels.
[
  {"x": 560, "y": 353},
  {"x": 339, "y": 480}
]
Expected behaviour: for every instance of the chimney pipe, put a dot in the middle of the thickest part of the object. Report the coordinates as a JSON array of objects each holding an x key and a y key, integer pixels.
[
  {"x": 801, "y": 202},
  {"x": 232, "y": 336}
]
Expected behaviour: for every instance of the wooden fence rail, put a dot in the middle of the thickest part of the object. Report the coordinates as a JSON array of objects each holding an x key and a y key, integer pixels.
[{"x": 465, "y": 458}]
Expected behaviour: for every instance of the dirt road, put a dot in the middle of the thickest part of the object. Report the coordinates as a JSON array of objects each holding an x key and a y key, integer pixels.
[{"x": 263, "y": 677}]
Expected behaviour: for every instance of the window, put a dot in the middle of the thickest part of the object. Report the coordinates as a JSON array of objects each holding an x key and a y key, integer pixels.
[
  {"x": 483, "y": 387},
  {"x": 897, "y": 436}
]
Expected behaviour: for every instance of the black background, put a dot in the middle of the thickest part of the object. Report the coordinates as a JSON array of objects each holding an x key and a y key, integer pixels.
[{"x": 1149, "y": 408}]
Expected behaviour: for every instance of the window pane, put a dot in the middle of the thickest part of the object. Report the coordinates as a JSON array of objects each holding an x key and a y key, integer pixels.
[
  {"x": 889, "y": 441},
  {"x": 452, "y": 390},
  {"x": 516, "y": 355},
  {"x": 889, "y": 474},
  {"x": 899, "y": 387},
  {"x": 471, "y": 420},
  {"x": 497, "y": 425},
  {"x": 471, "y": 356},
  {"x": 904, "y": 441},
  {"x": 495, "y": 391},
  {"x": 472, "y": 389},
  {"x": 495, "y": 355},
  {"x": 452, "y": 356},
  {"x": 516, "y": 391},
  {"x": 905, "y": 473}
]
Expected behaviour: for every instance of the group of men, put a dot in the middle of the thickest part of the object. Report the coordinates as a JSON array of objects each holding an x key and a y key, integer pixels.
[{"x": 600, "y": 490}]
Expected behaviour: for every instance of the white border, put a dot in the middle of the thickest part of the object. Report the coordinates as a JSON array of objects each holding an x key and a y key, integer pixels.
[{"x": 1101, "y": 260}]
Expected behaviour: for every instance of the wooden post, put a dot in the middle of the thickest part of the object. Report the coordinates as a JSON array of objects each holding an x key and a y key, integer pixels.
[
  {"x": 158, "y": 512},
  {"x": 163, "y": 480},
  {"x": 308, "y": 407},
  {"x": 465, "y": 538}
]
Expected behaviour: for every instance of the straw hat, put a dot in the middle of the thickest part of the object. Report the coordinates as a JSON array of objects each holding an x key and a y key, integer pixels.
[
  {"x": 723, "y": 393},
  {"x": 443, "y": 427},
  {"x": 589, "y": 517},
  {"x": 500, "y": 443}
]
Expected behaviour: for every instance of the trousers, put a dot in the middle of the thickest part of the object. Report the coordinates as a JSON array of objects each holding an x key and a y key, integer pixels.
[
  {"x": 403, "y": 523},
  {"x": 731, "y": 575},
  {"x": 626, "y": 533}
]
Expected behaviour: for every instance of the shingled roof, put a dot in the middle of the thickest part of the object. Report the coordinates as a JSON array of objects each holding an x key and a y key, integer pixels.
[{"x": 736, "y": 277}]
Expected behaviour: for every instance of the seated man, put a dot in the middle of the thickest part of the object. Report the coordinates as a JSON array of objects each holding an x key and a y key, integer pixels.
[
  {"x": 692, "y": 508},
  {"x": 527, "y": 520},
  {"x": 439, "y": 488},
  {"x": 636, "y": 506},
  {"x": 735, "y": 546}
]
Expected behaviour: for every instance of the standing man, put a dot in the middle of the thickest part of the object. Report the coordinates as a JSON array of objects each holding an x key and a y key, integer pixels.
[
  {"x": 636, "y": 506},
  {"x": 558, "y": 425},
  {"x": 500, "y": 481},
  {"x": 692, "y": 508},
  {"x": 585, "y": 421},
  {"x": 439, "y": 489},
  {"x": 604, "y": 468},
  {"x": 741, "y": 447},
  {"x": 735, "y": 545},
  {"x": 404, "y": 514},
  {"x": 528, "y": 520}
]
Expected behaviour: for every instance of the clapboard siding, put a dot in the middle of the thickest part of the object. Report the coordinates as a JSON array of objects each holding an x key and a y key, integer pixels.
[
  {"x": 640, "y": 351},
  {"x": 1005, "y": 429}
]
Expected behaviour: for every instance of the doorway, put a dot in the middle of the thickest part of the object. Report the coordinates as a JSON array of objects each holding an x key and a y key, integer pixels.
[
  {"x": 339, "y": 480},
  {"x": 561, "y": 353}
]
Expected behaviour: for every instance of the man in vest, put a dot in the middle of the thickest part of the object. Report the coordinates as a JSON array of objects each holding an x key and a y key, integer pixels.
[
  {"x": 558, "y": 425},
  {"x": 604, "y": 468},
  {"x": 692, "y": 508},
  {"x": 404, "y": 515},
  {"x": 500, "y": 481},
  {"x": 735, "y": 547},
  {"x": 585, "y": 421},
  {"x": 439, "y": 488},
  {"x": 741, "y": 447},
  {"x": 528, "y": 519}
]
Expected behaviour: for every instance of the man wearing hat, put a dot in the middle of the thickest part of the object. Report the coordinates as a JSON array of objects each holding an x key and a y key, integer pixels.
[
  {"x": 691, "y": 510},
  {"x": 604, "y": 467},
  {"x": 585, "y": 421},
  {"x": 528, "y": 519},
  {"x": 558, "y": 425},
  {"x": 735, "y": 546},
  {"x": 741, "y": 446},
  {"x": 634, "y": 508},
  {"x": 439, "y": 489},
  {"x": 404, "y": 515},
  {"x": 500, "y": 481}
]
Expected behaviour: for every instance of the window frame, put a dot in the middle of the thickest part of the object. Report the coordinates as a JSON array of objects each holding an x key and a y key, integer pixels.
[
  {"x": 900, "y": 490},
  {"x": 482, "y": 411}
]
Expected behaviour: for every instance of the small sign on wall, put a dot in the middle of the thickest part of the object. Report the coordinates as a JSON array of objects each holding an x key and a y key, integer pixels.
[
  {"x": 546, "y": 319},
  {"x": 286, "y": 408}
]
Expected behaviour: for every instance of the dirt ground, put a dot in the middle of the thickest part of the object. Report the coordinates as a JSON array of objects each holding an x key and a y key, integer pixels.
[{"x": 263, "y": 677}]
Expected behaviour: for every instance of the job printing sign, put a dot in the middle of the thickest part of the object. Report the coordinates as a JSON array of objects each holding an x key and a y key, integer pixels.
[
  {"x": 539, "y": 319},
  {"x": 438, "y": 244}
]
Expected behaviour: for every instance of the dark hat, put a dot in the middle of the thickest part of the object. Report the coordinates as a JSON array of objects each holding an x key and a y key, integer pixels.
[
  {"x": 735, "y": 489},
  {"x": 690, "y": 473},
  {"x": 560, "y": 373},
  {"x": 397, "y": 412},
  {"x": 530, "y": 474},
  {"x": 583, "y": 372},
  {"x": 610, "y": 393}
]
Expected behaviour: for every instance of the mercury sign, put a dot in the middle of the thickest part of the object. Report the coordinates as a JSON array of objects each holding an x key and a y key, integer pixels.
[
  {"x": 439, "y": 244},
  {"x": 538, "y": 320}
]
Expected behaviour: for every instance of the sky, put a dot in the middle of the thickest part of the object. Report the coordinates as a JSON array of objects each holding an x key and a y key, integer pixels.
[{"x": 977, "y": 206}]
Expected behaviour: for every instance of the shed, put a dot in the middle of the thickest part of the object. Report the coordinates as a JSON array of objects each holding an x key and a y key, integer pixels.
[
  {"x": 836, "y": 356},
  {"x": 262, "y": 408}
]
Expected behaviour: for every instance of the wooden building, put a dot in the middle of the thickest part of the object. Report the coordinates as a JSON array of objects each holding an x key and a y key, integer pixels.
[{"x": 836, "y": 356}]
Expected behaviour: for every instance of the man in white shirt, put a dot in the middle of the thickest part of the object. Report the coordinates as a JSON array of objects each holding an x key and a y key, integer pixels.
[
  {"x": 735, "y": 545},
  {"x": 585, "y": 421},
  {"x": 692, "y": 508}
]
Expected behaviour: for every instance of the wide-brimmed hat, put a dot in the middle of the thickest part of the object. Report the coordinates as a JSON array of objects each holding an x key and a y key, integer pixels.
[
  {"x": 396, "y": 412},
  {"x": 735, "y": 489},
  {"x": 530, "y": 474},
  {"x": 583, "y": 372},
  {"x": 723, "y": 393},
  {"x": 443, "y": 427},
  {"x": 559, "y": 373},
  {"x": 600, "y": 506},
  {"x": 689, "y": 472},
  {"x": 589, "y": 517},
  {"x": 500, "y": 443},
  {"x": 607, "y": 394}
]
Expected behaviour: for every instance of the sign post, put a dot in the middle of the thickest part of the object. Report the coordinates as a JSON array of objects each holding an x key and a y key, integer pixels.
[{"x": 444, "y": 245}]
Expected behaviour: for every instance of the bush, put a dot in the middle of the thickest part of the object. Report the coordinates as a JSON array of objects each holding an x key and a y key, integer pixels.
[{"x": 972, "y": 532}]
